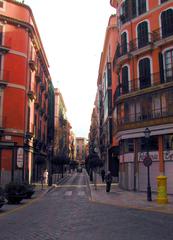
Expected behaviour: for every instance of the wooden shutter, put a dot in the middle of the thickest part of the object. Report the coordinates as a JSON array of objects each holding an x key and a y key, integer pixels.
[{"x": 161, "y": 67}]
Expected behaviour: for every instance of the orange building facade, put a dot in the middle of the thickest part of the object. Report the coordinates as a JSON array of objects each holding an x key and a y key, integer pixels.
[
  {"x": 106, "y": 85},
  {"x": 80, "y": 144},
  {"x": 143, "y": 99},
  {"x": 24, "y": 92}
]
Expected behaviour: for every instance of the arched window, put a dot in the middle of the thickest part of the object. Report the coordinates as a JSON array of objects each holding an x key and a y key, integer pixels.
[
  {"x": 124, "y": 43},
  {"x": 144, "y": 73},
  {"x": 167, "y": 23},
  {"x": 125, "y": 80},
  {"x": 143, "y": 36}
]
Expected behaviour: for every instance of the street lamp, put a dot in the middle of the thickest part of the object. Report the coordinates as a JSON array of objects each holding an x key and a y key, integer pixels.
[{"x": 147, "y": 163}]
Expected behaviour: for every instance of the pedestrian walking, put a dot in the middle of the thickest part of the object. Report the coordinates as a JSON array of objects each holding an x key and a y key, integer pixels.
[
  {"x": 103, "y": 175},
  {"x": 45, "y": 175},
  {"x": 108, "y": 179},
  {"x": 41, "y": 180}
]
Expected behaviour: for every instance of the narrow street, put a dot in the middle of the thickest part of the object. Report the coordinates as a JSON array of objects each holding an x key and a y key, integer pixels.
[{"x": 66, "y": 213}]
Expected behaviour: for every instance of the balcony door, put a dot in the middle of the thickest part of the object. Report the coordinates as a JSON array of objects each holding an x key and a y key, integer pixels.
[
  {"x": 143, "y": 38},
  {"x": 144, "y": 73},
  {"x": 169, "y": 65},
  {"x": 166, "y": 21}
]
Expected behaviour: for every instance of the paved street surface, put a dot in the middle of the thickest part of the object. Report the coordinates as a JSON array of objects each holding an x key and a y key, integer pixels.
[{"x": 67, "y": 213}]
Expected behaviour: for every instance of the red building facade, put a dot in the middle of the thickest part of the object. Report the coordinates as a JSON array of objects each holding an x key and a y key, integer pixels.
[{"x": 24, "y": 86}]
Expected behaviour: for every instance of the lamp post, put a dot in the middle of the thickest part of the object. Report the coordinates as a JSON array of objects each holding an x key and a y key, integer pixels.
[{"x": 147, "y": 162}]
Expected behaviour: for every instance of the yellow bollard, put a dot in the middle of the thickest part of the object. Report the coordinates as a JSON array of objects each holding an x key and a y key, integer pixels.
[{"x": 162, "y": 190}]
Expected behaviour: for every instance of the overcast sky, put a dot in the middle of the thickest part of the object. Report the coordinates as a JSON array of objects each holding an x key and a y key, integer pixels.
[{"x": 72, "y": 32}]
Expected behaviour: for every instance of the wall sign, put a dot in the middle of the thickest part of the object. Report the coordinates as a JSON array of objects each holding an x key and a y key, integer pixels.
[{"x": 20, "y": 157}]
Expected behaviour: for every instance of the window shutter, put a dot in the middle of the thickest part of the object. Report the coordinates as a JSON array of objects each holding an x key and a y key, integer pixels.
[
  {"x": 125, "y": 80},
  {"x": 161, "y": 67}
]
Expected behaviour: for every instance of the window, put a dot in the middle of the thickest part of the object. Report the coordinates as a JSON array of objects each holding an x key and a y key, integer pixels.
[
  {"x": 156, "y": 106},
  {"x": 169, "y": 65},
  {"x": 124, "y": 43},
  {"x": 124, "y": 11},
  {"x": 128, "y": 146},
  {"x": 166, "y": 22},
  {"x": 144, "y": 73},
  {"x": 125, "y": 80},
  {"x": 162, "y": 1},
  {"x": 142, "y": 32},
  {"x": 168, "y": 142},
  {"x": 142, "y": 8},
  {"x": 153, "y": 144},
  {"x": 1, "y": 4},
  {"x": 132, "y": 8}
]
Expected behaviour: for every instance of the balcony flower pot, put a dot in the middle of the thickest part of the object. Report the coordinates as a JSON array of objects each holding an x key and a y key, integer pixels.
[{"x": 29, "y": 190}]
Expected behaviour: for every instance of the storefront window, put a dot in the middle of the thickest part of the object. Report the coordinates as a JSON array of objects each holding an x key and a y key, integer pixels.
[
  {"x": 168, "y": 142},
  {"x": 128, "y": 146},
  {"x": 153, "y": 144}
]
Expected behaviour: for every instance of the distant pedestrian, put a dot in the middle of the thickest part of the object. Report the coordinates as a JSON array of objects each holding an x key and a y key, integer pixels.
[
  {"x": 45, "y": 175},
  {"x": 103, "y": 175},
  {"x": 108, "y": 179},
  {"x": 41, "y": 180}
]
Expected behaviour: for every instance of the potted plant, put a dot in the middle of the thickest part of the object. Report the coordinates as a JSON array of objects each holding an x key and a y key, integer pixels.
[
  {"x": 29, "y": 190},
  {"x": 14, "y": 192},
  {"x": 2, "y": 198}
]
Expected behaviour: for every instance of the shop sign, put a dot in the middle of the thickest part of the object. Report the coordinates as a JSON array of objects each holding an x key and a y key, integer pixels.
[{"x": 20, "y": 157}]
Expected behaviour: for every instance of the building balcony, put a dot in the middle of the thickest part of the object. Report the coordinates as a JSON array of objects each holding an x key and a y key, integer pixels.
[
  {"x": 161, "y": 37},
  {"x": 37, "y": 104},
  {"x": 33, "y": 65},
  {"x": 42, "y": 111},
  {"x": 45, "y": 116},
  {"x": 32, "y": 95},
  {"x": 141, "y": 45},
  {"x": 38, "y": 77},
  {"x": 152, "y": 118},
  {"x": 42, "y": 87},
  {"x": 46, "y": 94},
  {"x": 144, "y": 84}
]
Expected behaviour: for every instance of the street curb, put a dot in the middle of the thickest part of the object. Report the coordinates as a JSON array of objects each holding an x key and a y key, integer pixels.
[{"x": 88, "y": 186}]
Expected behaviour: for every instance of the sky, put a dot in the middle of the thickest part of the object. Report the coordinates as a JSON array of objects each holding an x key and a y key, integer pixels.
[{"x": 72, "y": 33}]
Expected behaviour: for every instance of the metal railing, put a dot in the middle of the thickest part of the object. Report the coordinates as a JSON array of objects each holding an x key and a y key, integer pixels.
[
  {"x": 138, "y": 43},
  {"x": 143, "y": 82},
  {"x": 141, "y": 116}
]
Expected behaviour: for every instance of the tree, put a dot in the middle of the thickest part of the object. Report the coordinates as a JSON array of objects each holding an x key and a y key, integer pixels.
[
  {"x": 93, "y": 162},
  {"x": 60, "y": 161}
]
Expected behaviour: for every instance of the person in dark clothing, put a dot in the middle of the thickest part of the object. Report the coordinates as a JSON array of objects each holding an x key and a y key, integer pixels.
[
  {"x": 103, "y": 175},
  {"x": 108, "y": 179}
]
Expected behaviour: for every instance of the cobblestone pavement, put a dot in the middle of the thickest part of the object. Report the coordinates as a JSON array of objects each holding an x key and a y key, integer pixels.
[{"x": 65, "y": 213}]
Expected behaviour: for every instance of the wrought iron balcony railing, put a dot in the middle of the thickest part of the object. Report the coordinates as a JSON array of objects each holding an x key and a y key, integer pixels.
[
  {"x": 143, "y": 82},
  {"x": 138, "y": 43},
  {"x": 141, "y": 116}
]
